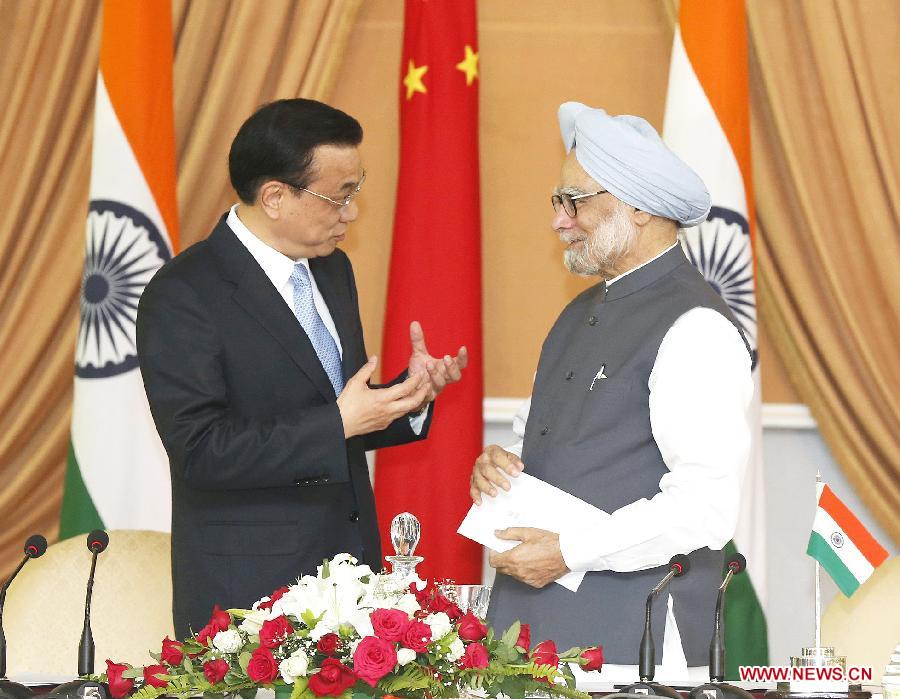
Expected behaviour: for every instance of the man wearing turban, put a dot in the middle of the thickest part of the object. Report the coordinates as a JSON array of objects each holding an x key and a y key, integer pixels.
[{"x": 640, "y": 407}]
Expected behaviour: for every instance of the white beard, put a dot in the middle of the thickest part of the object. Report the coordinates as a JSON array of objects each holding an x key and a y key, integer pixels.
[{"x": 612, "y": 238}]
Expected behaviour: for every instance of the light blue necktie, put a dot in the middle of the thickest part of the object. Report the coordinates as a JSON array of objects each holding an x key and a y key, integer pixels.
[{"x": 321, "y": 339}]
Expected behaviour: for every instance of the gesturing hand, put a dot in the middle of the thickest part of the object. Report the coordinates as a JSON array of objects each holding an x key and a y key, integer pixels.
[
  {"x": 364, "y": 409},
  {"x": 440, "y": 372},
  {"x": 537, "y": 561}
]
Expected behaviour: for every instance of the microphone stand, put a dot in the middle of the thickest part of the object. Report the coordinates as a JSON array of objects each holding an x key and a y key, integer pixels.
[
  {"x": 79, "y": 688},
  {"x": 647, "y": 653},
  {"x": 717, "y": 687},
  {"x": 8, "y": 688},
  {"x": 86, "y": 646}
]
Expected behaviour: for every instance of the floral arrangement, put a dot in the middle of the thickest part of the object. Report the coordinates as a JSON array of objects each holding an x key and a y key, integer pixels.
[{"x": 350, "y": 633}]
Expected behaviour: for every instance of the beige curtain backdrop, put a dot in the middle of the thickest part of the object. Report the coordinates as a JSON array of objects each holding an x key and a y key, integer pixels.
[
  {"x": 229, "y": 58},
  {"x": 825, "y": 84}
]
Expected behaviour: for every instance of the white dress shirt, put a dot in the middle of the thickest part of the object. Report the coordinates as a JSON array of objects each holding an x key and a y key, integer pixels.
[
  {"x": 278, "y": 269},
  {"x": 701, "y": 389}
]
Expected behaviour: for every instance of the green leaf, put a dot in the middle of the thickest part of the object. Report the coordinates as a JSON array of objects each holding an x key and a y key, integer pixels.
[
  {"x": 572, "y": 652},
  {"x": 310, "y": 619},
  {"x": 188, "y": 665},
  {"x": 244, "y": 660},
  {"x": 511, "y": 635},
  {"x": 133, "y": 673},
  {"x": 300, "y": 685},
  {"x": 568, "y": 675},
  {"x": 233, "y": 678}
]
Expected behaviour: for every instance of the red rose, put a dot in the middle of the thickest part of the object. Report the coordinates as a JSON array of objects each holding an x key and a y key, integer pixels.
[
  {"x": 273, "y": 598},
  {"x": 390, "y": 624},
  {"x": 274, "y": 631},
  {"x": 172, "y": 652},
  {"x": 471, "y": 628},
  {"x": 263, "y": 667},
  {"x": 524, "y": 641},
  {"x": 594, "y": 657},
  {"x": 215, "y": 670},
  {"x": 329, "y": 644},
  {"x": 206, "y": 634},
  {"x": 220, "y": 620},
  {"x": 149, "y": 675},
  {"x": 433, "y": 600},
  {"x": 118, "y": 685},
  {"x": 476, "y": 656},
  {"x": 332, "y": 679},
  {"x": 421, "y": 595},
  {"x": 373, "y": 659},
  {"x": 453, "y": 611},
  {"x": 544, "y": 653},
  {"x": 417, "y": 636}
]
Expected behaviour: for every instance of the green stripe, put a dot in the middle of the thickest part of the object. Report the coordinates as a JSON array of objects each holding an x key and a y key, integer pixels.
[
  {"x": 746, "y": 635},
  {"x": 78, "y": 515},
  {"x": 821, "y": 550}
]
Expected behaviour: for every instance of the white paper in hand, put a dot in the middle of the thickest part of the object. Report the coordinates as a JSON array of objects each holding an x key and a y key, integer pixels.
[{"x": 530, "y": 502}]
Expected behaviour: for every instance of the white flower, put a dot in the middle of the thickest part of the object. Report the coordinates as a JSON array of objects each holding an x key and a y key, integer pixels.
[
  {"x": 440, "y": 625},
  {"x": 408, "y": 604},
  {"x": 228, "y": 641},
  {"x": 457, "y": 650},
  {"x": 405, "y": 655},
  {"x": 294, "y": 666},
  {"x": 253, "y": 622}
]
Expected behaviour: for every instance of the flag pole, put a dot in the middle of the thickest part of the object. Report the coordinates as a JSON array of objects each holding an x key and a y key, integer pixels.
[
  {"x": 818, "y": 610},
  {"x": 818, "y": 587}
]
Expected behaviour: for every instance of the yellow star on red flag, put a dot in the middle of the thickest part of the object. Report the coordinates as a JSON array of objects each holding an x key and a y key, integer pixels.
[
  {"x": 413, "y": 79},
  {"x": 469, "y": 65}
]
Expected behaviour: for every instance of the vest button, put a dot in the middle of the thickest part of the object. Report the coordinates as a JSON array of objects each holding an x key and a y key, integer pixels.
[
  {"x": 569, "y": 375},
  {"x": 354, "y": 516},
  {"x": 592, "y": 320},
  {"x": 545, "y": 430}
]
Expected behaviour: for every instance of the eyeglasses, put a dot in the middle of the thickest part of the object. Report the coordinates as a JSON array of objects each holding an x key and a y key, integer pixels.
[
  {"x": 568, "y": 201},
  {"x": 340, "y": 204}
]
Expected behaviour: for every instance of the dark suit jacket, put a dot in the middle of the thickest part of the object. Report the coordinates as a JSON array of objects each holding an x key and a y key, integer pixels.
[{"x": 264, "y": 484}]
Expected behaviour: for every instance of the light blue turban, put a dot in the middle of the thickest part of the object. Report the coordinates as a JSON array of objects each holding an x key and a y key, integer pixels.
[{"x": 626, "y": 155}]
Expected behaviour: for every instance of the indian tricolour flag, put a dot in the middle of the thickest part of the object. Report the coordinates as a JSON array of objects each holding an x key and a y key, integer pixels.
[
  {"x": 117, "y": 474},
  {"x": 841, "y": 544},
  {"x": 707, "y": 123}
]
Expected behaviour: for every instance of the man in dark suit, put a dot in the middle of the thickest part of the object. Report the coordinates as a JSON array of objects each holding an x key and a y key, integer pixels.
[{"x": 252, "y": 355}]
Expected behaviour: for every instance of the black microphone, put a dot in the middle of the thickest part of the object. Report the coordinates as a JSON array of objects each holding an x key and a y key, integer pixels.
[
  {"x": 97, "y": 541},
  {"x": 735, "y": 565},
  {"x": 679, "y": 564},
  {"x": 34, "y": 548}
]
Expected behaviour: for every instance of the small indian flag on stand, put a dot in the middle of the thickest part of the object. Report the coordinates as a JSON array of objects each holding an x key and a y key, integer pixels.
[{"x": 841, "y": 544}]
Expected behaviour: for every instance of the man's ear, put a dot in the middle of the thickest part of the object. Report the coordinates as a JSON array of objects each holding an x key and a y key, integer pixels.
[
  {"x": 641, "y": 218},
  {"x": 270, "y": 198}
]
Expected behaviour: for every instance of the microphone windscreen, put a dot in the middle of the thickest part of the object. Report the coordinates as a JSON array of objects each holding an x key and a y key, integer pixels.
[
  {"x": 737, "y": 563},
  {"x": 35, "y": 546},
  {"x": 680, "y": 563},
  {"x": 97, "y": 541}
]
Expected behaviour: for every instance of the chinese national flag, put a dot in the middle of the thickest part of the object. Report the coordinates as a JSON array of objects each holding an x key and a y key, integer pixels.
[{"x": 435, "y": 278}]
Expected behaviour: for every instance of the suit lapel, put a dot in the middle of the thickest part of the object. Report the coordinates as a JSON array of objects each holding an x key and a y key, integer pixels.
[{"x": 256, "y": 295}]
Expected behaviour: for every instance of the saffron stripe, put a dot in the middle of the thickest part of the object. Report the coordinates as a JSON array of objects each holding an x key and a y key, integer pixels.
[
  {"x": 819, "y": 549},
  {"x": 852, "y": 558},
  {"x": 846, "y": 520}
]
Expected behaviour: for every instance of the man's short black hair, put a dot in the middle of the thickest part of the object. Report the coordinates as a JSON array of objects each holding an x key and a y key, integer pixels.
[{"x": 278, "y": 140}]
